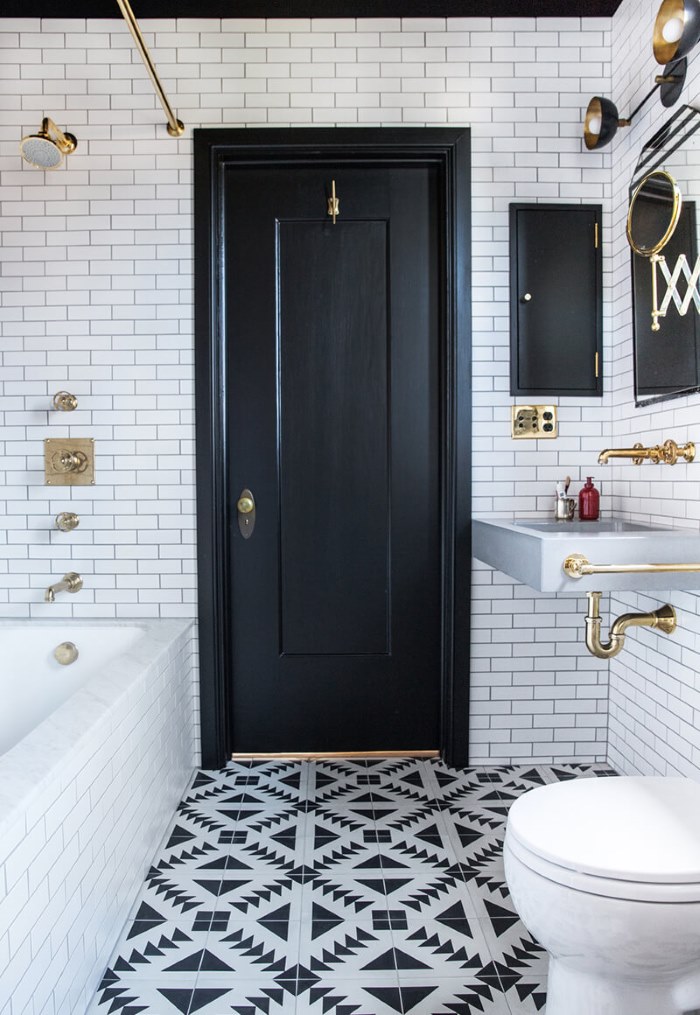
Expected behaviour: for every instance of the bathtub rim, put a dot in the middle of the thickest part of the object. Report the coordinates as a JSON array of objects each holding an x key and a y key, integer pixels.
[{"x": 28, "y": 767}]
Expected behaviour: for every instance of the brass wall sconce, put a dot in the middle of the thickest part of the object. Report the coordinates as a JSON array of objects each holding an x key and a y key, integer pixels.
[
  {"x": 69, "y": 461},
  {"x": 175, "y": 127},
  {"x": 64, "y": 401},
  {"x": 676, "y": 30},
  {"x": 602, "y": 117},
  {"x": 676, "y": 33},
  {"x": 46, "y": 149}
]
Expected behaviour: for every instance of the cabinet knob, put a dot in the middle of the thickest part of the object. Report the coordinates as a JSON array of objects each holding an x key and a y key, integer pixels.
[{"x": 526, "y": 298}]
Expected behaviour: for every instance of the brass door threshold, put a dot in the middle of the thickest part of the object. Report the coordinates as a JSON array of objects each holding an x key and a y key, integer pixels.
[{"x": 322, "y": 755}]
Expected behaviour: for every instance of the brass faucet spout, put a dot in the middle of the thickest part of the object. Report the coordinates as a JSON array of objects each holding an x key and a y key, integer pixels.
[
  {"x": 72, "y": 582},
  {"x": 669, "y": 452}
]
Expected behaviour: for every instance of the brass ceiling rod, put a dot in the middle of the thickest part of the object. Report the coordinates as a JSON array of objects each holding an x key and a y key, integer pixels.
[{"x": 175, "y": 127}]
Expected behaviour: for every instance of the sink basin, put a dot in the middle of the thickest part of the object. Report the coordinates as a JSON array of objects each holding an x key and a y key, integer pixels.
[
  {"x": 533, "y": 552},
  {"x": 588, "y": 528}
]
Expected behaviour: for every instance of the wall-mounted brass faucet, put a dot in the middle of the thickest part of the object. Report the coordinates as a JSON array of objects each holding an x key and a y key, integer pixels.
[
  {"x": 72, "y": 582},
  {"x": 668, "y": 453},
  {"x": 663, "y": 619}
]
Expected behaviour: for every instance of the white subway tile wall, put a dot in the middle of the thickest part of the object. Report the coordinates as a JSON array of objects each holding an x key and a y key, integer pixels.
[
  {"x": 73, "y": 859},
  {"x": 97, "y": 280},
  {"x": 655, "y": 682}
]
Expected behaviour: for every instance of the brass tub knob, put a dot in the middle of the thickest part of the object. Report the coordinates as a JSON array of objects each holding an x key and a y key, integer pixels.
[
  {"x": 64, "y": 401},
  {"x": 66, "y": 653},
  {"x": 67, "y": 521}
]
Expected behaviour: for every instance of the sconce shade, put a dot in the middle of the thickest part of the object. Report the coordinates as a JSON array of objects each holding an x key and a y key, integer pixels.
[
  {"x": 601, "y": 122},
  {"x": 676, "y": 29}
]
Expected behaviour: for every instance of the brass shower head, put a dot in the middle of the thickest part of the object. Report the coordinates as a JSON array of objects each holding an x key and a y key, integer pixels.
[{"x": 46, "y": 149}]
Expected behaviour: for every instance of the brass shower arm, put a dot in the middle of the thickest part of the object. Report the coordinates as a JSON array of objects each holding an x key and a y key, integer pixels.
[{"x": 175, "y": 127}]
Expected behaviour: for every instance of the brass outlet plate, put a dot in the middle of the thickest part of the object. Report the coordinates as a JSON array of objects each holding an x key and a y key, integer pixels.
[
  {"x": 69, "y": 461},
  {"x": 533, "y": 422}
]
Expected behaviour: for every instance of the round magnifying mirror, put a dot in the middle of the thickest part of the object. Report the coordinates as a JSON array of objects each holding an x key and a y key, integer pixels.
[{"x": 654, "y": 212}]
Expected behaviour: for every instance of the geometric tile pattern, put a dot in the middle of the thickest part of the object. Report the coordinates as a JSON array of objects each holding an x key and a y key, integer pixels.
[{"x": 336, "y": 887}]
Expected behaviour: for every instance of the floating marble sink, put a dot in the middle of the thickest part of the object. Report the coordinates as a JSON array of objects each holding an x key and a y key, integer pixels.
[{"x": 533, "y": 551}]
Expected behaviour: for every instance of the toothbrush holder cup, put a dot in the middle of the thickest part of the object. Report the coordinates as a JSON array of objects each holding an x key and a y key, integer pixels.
[{"x": 564, "y": 508}]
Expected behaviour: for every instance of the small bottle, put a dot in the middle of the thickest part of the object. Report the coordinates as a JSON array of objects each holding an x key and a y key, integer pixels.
[{"x": 588, "y": 502}]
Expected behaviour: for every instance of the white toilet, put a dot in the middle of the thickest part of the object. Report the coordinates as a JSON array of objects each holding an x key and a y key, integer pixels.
[{"x": 605, "y": 874}]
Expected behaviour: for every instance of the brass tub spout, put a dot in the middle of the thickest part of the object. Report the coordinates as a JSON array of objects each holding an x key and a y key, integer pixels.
[
  {"x": 72, "y": 582},
  {"x": 668, "y": 453},
  {"x": 664, "y": 619}
]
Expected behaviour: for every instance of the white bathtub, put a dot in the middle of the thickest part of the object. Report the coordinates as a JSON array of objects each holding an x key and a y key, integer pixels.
[
  {"x": 33, "y": 684},
  {"x": 96, "y": 756}
]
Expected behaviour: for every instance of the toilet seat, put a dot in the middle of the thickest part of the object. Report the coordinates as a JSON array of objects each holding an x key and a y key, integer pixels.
[{"x": 627, "y": 838}]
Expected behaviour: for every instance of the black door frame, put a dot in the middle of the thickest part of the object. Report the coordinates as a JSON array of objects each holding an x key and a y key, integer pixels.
[{"x": 448, "y": 149}]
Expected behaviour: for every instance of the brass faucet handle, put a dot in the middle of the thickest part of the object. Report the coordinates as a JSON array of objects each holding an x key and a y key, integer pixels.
[
  {"x": 67, "y": 521},
  {"x": 64, "y": 401},
  {"x": 675, "y": 451},
  {"x": 639, "y": 460}
]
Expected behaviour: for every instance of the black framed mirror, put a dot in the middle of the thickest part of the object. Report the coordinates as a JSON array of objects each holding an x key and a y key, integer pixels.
[{"x": 662, "y": 222}]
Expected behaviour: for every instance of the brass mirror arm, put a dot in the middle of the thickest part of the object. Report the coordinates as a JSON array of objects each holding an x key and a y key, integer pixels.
[{"x": 663, "y": 619}]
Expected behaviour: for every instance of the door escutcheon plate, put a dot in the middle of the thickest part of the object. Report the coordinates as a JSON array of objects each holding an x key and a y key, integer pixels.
[{"x": 245, "y": 507}]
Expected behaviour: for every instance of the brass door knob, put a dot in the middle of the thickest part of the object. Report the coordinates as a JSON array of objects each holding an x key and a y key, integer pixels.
[{"x": 246, "y": 513}]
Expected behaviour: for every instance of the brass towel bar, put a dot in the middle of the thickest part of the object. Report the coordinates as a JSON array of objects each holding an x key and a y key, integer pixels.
[{"x": 578, "y": 566}]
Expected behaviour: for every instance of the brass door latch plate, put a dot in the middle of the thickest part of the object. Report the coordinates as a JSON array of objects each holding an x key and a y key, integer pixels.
[
  {"x": 533, "y": 421},
  {"x": 69, "y": 461}
]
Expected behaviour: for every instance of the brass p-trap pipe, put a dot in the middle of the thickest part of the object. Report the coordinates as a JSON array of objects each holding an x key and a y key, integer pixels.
[{"x": 663, "y": 619}]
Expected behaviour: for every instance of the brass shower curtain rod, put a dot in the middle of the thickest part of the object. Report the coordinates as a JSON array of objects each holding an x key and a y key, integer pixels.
[{"x": 175, "y": 127}]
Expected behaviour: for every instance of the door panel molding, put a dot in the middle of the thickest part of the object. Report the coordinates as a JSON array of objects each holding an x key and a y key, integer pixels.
[{"x": 448, "y": 150}]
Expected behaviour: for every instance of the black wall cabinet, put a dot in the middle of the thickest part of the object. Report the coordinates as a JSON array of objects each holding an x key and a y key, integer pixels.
[{"x": 556, "y": 309}]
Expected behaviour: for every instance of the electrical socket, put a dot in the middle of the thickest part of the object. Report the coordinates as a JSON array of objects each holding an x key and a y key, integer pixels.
[{"x": 533, "y": 422}]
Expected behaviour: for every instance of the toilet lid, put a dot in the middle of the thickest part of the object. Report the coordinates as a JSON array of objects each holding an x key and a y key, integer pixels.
[{"x": 638, "y": 828}]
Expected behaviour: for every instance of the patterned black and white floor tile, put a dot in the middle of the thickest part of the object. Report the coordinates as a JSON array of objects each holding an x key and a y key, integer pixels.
[{"x": 337, "y": 888}]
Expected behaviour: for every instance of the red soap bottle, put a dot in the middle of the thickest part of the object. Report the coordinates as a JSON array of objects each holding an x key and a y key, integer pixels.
[{"x": 588, "y": 502}]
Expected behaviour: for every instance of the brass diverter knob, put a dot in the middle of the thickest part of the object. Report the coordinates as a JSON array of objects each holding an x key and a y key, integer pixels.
[
  {"x": 69, "y": 461},
  {"x": 64, "y": 401}
]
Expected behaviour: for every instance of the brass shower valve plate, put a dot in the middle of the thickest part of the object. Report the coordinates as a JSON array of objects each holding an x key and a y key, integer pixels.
[
  {"x": 69, "y": 461},
  {"x": 533, "y": 421}
]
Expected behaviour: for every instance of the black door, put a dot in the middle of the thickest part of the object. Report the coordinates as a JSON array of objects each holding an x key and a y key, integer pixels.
[
  {"x": 332, "y": 336},
  {"x": 332, "y": 384}
]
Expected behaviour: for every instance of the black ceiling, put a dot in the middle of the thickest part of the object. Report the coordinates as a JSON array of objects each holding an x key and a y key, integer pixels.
[{"x": 312, "y": 8}]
